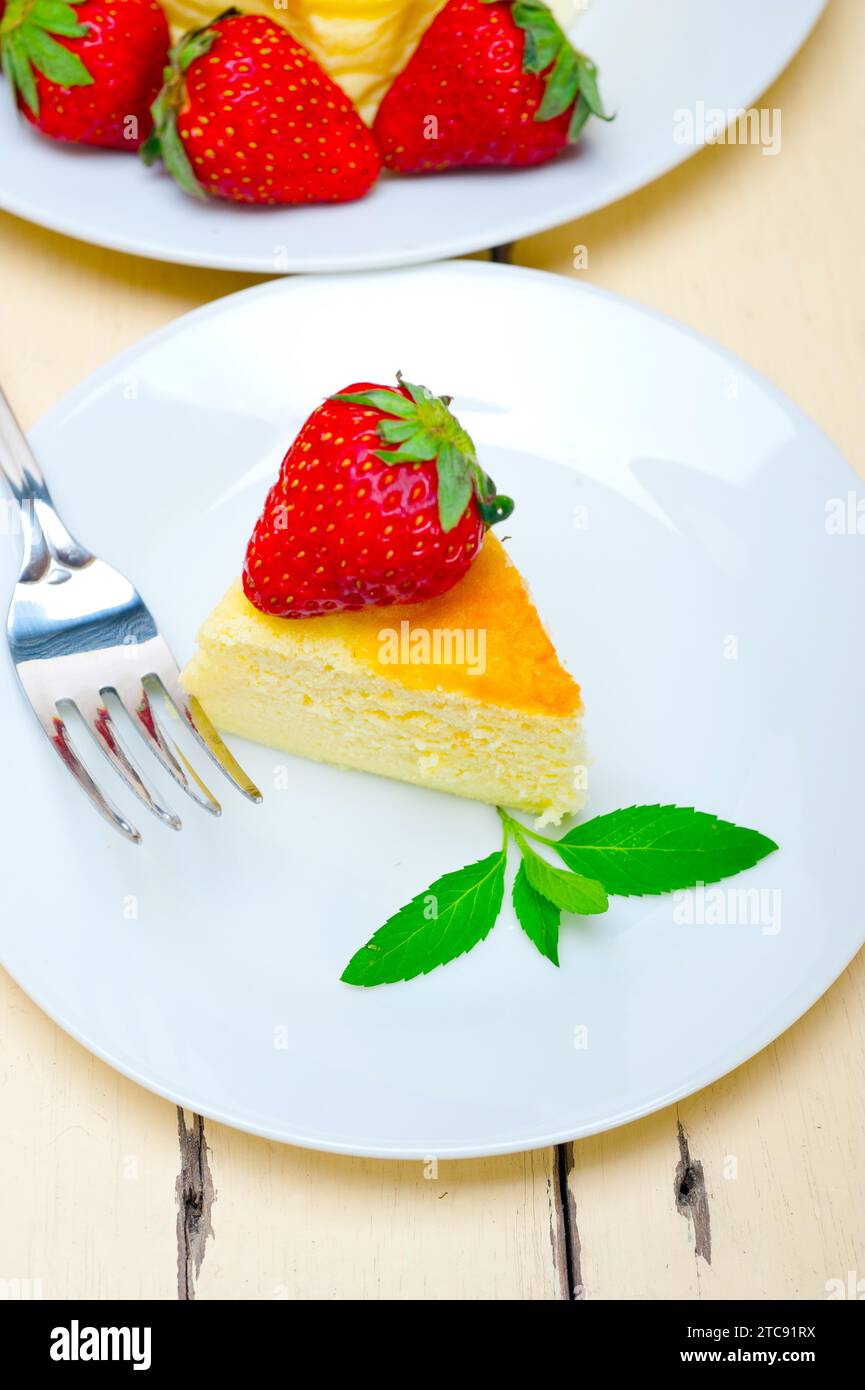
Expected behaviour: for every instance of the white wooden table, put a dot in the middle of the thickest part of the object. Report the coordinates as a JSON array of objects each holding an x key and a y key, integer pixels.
[{"x": 753, "y": 1188}]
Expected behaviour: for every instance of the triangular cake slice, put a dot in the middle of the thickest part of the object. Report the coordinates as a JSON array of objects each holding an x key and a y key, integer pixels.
[{"x": 463, "y": 693}]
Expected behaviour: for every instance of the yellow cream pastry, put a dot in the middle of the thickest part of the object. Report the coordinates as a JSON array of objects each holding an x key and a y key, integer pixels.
[
  {"x": 462, "y": 693},
  {"x": 362, "y": 44}
]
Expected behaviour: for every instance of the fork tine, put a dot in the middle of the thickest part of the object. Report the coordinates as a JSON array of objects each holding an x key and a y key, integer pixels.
[
  {"x": 137, "y": 707},
  {"x": 190, "y": 711},
  {"x": 100, "y": 724},
  {"x": 58, "y": 736}
]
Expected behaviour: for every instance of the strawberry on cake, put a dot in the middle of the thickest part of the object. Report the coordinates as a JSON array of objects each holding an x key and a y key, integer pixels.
[{"x": 379, "y": 624}]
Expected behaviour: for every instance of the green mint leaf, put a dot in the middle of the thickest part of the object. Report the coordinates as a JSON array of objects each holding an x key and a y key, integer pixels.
[
  {"x": 453, "y": 915},
  {"x": 454, "y": 486},
  {"x": 572, "y": 892},
  {"x": 53, "y": 60},
  {"x": 658, "y": 849},
  {"x": 538, "y": 917}
]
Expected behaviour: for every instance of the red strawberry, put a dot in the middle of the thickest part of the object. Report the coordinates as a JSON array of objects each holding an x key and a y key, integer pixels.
[
  {"x": 247, "y": 114},
  {"x": 490, "y": 83},
  {"x": 379, "y": 500},
  {"x": 86, "y": 71}
]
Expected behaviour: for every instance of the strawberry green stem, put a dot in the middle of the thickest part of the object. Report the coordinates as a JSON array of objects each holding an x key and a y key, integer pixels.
[
  {"x": 164, "y": 141},
  {"x": 27, "y": 44},
  {"x": 571, "y": 78},
  {"x": 425, "y": 430}
]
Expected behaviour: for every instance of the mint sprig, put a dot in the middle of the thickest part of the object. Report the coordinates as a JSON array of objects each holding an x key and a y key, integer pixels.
[
  {"x": 26, "y": 43},
  {"x": 571, "y": 77},
  {"x": 635, "y": 851},
  {"x": 425, "y": 429}
]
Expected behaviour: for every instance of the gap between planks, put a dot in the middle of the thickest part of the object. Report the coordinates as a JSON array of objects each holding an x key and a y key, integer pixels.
[{"x": 195, "y": 1196}]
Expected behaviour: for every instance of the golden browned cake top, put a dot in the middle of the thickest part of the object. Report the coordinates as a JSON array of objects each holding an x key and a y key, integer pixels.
[{"x": 516, "y": 665}]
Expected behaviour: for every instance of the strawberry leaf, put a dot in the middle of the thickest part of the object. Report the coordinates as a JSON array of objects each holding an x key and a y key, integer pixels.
[
  {"x": 454, "y": 914},
  {"x": 455, "y": 486},
  {"x": 419, "y": 394},
  {"x": 418, "y": 448},
  {"x": 427, "y": 430},
  {"x": 57, "y": 18},
  {"x": 390, "y": 401},
  {"x": 571, "y": 78},
  {"x": 16, "y": 65},
  {"x": 580, "y": 116},
  {"x": 543, "y": 37},
  {"x": 176, "y": 160},
  {"x": 562, "y": 85},
  {"x": 538, "y": 917},
  {"x": 198, "y": 42},
  {"x": 53, "y": 60},
  {"x": 5, "y": 61},
  {"x": 587, "y": 76},
  {"x": 394, "y": 431},
  {"x": 164, "y": 141},
  {"x": 26, "y": 44}
]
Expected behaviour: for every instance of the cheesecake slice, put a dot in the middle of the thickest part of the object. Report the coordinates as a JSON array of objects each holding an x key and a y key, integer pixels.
[{"x": 462, "y": 693}]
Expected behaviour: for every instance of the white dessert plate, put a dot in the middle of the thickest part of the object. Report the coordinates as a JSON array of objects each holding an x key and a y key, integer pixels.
[
  {"x": 656, "y": 58},
  {"x": 677, "y": 519}
]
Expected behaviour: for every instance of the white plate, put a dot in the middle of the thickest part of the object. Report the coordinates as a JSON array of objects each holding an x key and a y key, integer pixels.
[
  {"x": 711, "y": 618},
  {"x": 655, "y": 58}
]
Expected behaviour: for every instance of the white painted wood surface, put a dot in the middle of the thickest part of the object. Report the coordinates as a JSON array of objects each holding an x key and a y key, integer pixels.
[{"x": 764, "y": 255}]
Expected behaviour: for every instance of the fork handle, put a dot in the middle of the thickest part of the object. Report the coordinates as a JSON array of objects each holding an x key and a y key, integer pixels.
[
  {"x": 17, "y": 463},
  {"x": 45, "y": 536}
]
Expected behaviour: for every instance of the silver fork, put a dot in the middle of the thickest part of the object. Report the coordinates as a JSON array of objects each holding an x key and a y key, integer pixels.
[{"x": 79, "y": 632}]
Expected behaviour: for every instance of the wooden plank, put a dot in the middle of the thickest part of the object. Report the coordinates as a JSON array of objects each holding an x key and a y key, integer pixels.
[
  {"x": 303, "y": 1225},
  {"x": 780, "y": 1147},
  {"x": 88, "y": 1162}
]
